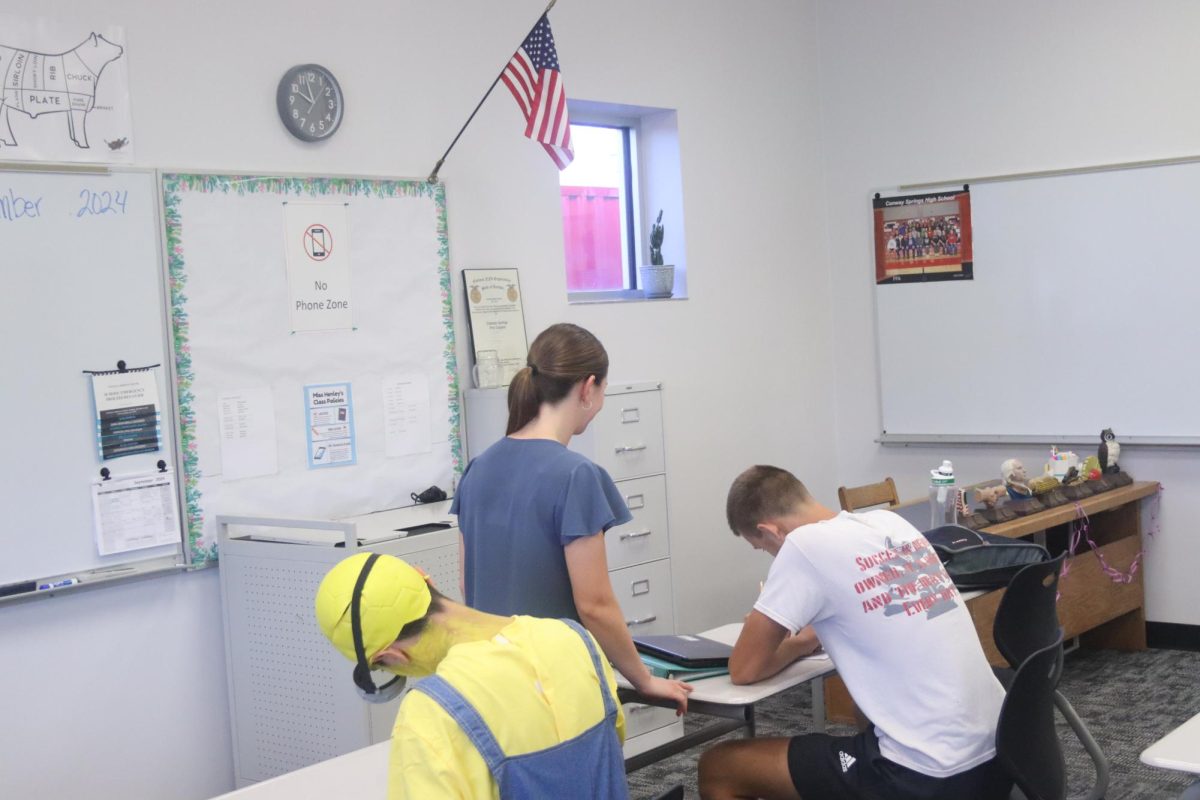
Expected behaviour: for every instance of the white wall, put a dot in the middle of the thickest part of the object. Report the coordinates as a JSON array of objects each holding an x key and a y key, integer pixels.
[
  {"x": 116, "y": 693},
  {"x": 938, "y": 90},
  {"x": 121, "y": 692}
]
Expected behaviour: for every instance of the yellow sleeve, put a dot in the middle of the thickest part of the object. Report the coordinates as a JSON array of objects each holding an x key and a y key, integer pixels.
[{"x": 431, "y": 757}]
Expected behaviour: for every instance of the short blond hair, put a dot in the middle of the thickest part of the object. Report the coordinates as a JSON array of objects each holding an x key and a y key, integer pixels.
[{"x": 760, "y": 493}]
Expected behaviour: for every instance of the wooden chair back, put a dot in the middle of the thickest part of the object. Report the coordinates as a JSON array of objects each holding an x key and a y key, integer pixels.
[{"x": 853, "y": 498}]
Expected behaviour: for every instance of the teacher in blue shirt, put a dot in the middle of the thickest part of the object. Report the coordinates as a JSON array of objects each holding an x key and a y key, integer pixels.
[{"x": 533, "y": 513}]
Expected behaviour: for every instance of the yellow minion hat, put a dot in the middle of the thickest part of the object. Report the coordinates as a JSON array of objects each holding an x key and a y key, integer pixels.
[{"x": 394, "y": 594}]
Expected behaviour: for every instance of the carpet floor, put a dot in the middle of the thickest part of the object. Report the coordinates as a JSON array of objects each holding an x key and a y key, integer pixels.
[{"x": 1127, "y": 700}]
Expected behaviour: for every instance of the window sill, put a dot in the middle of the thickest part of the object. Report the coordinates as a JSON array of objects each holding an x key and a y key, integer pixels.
[{"x": 620, "y": 296}]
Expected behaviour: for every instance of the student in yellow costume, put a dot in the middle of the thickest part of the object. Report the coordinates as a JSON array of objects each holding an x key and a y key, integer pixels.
[{"x": 517, "y": 707}]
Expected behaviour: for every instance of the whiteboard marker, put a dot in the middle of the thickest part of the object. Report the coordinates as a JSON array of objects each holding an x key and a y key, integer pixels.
[{"x": 60, "y": 584}]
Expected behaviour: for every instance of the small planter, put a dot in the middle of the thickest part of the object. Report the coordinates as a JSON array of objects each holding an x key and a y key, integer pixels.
[{"x": 657, "y": 280}]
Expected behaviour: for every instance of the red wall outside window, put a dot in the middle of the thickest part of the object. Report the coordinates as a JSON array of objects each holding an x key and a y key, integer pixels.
[{"x": 592, "y": 232}]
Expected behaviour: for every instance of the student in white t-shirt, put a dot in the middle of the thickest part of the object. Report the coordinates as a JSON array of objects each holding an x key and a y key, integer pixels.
[{"x": 882, "y": 605}]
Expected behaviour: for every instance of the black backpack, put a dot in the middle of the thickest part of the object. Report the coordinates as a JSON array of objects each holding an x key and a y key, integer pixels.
[{"x": 976, "y": 560}]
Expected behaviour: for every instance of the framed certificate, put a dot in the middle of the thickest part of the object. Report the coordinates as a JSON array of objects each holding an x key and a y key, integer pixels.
[{"x": 496, "y": 318}]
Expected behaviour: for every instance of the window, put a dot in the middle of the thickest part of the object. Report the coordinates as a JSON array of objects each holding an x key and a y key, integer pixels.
[
  {"x": 596, "y": 210},
  {"x": 626, "y": 169}
]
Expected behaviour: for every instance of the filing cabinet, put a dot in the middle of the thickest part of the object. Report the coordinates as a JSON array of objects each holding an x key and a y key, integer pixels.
[{"x": 626, "y": 438}]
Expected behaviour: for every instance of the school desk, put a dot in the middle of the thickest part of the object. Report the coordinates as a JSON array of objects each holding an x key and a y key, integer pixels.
[
  {"x": 732, "y": 704},
  {"x": 1179, "y": 750},
  {"x": 361, "y": 774}
]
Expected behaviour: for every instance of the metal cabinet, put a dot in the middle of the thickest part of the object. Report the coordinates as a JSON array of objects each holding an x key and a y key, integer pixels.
[
  {"x": 291, "y": 700},
  {"x": 626, "y": 438}
]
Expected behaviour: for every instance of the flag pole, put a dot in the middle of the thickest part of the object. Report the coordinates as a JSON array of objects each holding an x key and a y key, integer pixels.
[{"x": 433, "y": 175}]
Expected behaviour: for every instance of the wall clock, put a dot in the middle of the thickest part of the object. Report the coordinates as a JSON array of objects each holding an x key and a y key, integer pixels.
[{"x": 310, "y": 102}]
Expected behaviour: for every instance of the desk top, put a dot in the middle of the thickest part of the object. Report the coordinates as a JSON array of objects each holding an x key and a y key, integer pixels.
[
  {"x": 722, "y": 691},
  {"x": 1179, "y": 749},
  {"x": 371, "y": 529},
  {"x": 360, "y": 774},
  {"x": 382, "y": 525}
]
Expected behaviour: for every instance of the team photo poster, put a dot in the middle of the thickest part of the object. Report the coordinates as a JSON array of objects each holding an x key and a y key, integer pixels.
[{"x": 923, "y": 237}]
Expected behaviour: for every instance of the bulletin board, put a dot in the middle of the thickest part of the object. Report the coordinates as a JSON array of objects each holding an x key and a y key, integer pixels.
[{"x": 313, "y": 343}]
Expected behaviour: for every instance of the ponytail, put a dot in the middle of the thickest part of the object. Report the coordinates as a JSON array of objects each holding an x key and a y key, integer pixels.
[
  {"x": 523, "y": 400},
  {"x": 559, "y": 358}
]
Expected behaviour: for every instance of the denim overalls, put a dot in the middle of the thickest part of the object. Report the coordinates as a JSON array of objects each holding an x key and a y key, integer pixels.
[{"x": 589, "y": 766}]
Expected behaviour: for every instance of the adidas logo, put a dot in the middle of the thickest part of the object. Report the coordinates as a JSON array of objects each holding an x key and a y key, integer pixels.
[{"x": 847, "y": 761}]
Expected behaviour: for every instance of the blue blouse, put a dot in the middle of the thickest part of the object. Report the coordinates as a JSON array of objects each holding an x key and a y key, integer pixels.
[{"x": 519, "y": 504}]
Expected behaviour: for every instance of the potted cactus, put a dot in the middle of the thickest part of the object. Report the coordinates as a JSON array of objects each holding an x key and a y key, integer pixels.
[{"x": 657, "y": 279}]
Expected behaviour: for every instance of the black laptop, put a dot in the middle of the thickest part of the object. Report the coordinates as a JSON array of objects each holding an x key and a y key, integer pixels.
[{"x": 686, "y": 651}]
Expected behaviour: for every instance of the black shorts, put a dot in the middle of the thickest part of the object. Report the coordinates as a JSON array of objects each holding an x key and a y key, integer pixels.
[{"x": 827, "y": 767}]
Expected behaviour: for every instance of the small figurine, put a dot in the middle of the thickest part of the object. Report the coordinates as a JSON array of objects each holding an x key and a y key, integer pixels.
[
  {"x": 961, "y": 509},
  {"x": 1073, "y": 477},
  {"x": 1091, "y": 468},
  {"x": 990, "y": 495},
  {"x": 1109, "y": 452},
  {"x": 1015, "y": 479}
]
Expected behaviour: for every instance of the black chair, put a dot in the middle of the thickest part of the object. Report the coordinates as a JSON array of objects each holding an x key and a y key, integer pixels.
[
  {"x": 1027, "y": 745},
  {"x": 1027, "y": 622},
  {"x": 1027, "y": 617}
]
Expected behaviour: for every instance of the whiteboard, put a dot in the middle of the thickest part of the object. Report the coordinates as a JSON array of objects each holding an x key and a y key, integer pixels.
[
  {"x": 227, "y": 249},
  {"x": 82, "y": 285},
  {"x": 1082, "y": 315}
]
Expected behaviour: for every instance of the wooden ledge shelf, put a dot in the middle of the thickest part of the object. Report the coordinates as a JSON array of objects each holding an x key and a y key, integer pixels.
[{"x": 1061, "y": 515}]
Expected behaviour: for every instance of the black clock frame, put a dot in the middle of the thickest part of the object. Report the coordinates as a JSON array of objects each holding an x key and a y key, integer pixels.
[{"x": 281, "y": 102}]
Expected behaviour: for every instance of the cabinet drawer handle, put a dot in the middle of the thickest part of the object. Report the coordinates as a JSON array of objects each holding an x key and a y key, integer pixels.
[
  {"x": 637, "y": 535},
  {"x": 629, "y": 415},
  {"x": 642, "y": 621},
  {"x": 632, "y": 448},
  {"x": 635, "y": 501},
  {"x": 644, "y": 583}
]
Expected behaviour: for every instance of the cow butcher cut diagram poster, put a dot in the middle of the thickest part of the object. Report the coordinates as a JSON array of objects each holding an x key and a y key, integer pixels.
[{"x": 65, "y": 92}]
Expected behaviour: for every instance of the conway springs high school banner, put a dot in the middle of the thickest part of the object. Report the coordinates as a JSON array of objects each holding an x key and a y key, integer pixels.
[{"x": 923, "y": 237}]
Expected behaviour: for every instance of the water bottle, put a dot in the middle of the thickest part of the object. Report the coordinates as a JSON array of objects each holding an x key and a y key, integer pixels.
[{"x": 942, "y": 495}]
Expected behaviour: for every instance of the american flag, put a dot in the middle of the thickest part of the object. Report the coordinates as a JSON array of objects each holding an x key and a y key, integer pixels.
[{"x": 535, "y": 81}]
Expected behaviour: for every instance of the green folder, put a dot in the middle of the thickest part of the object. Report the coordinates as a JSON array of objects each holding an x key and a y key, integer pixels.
[{"x": 661, "y": 668}]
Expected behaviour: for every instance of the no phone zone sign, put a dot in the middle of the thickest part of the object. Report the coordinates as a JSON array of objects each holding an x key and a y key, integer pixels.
[{"x": 318, "y": 242}]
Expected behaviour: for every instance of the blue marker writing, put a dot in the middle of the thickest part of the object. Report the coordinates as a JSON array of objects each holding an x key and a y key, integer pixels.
[
  {"x": 13, "y": 206},
  {"x": 58, "y": 584}
]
